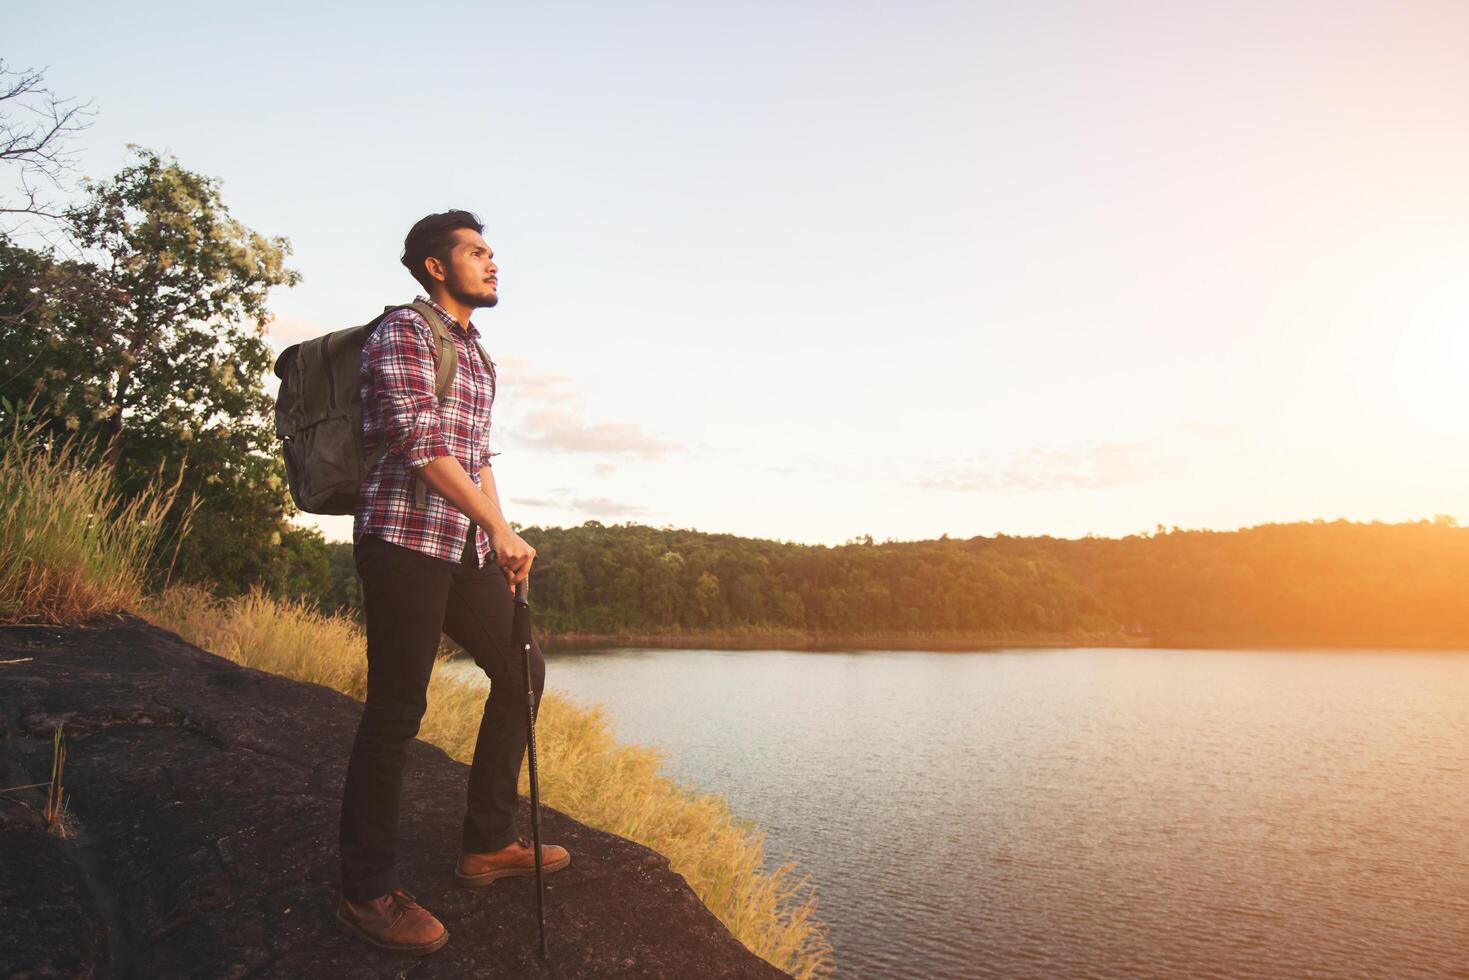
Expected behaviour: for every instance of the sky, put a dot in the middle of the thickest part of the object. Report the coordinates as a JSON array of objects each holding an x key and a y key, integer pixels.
[{"x": 815, "y": 270}]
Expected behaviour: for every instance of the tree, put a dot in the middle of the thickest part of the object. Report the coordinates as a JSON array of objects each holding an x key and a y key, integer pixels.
[
  {"x": 157, "y": 344},
  {"x": 709, "y": 600},
  {"x": 185, "y": 350}
]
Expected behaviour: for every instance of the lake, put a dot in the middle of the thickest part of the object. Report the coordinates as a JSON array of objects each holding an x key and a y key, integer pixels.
[{"x": 1086, "y": 813}]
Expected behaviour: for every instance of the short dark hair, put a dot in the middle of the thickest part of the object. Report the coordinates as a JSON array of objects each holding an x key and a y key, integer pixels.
[{"x": 434, "y": 235}]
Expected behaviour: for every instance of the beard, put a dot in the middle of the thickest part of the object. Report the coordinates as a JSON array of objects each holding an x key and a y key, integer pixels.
[{"x": 475, "y": 295}]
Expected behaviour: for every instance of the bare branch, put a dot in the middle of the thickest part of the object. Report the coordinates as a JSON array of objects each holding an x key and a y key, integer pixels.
[{"x": 36, "y": 131}]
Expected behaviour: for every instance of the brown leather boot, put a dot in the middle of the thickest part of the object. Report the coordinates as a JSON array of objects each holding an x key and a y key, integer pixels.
[
  {"x": 515, "y": 858},
  {"x": 394, "y": 922}
]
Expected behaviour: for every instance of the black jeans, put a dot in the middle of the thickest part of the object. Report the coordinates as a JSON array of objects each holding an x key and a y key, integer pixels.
[{"x": 410, "y": 599}]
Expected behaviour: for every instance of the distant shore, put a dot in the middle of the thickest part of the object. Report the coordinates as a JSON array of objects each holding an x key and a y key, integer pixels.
[
  {"x": 952, "y": 643},
  {"x": 817, "y": 642}
]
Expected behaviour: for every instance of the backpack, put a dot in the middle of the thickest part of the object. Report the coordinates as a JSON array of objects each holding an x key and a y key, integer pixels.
[{"x": 318, "y": 412}]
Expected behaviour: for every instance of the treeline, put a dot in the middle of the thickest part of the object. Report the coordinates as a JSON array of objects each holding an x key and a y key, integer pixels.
[
  {"x": 635, "y": 579},
  {"x": 1337, "y": 582},
  {"x": 1320, "y": 582}
]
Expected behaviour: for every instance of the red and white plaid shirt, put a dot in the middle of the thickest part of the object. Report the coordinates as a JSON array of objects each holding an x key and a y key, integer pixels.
[{"x": 396, "y": 384}]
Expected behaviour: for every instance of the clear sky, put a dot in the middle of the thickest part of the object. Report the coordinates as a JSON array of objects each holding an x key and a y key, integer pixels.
[{"x": 813, "y": 270}]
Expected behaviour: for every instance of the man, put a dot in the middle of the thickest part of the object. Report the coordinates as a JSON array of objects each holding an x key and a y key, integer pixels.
[{"x": 423, "y": 563}]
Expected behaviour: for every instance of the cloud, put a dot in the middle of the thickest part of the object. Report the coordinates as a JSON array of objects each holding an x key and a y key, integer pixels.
[
  {"x": 566, "y": 429},
  {"x": 520, "y": 376},
  {"x": 538, "y": 502},
  {"x": 1227, "y": 431},
  {"x": 590, "y": 506},
  {"x": 557, "y": 420},
  {"x": 606, "y": 507},
  {"x": 283, "y": 331},
  {"x": 1108, "y": 464}
]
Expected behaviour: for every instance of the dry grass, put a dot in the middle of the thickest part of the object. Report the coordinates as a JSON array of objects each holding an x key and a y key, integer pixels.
[
  {"x": 56, "y": 811},
  {"x": 287, "y": 638},
  {"x": 71, "y": 548},
  {"x": 584, "y": 771}
]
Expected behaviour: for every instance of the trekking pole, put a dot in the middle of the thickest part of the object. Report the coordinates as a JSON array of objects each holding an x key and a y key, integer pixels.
[{"x": 521, "y": 627}]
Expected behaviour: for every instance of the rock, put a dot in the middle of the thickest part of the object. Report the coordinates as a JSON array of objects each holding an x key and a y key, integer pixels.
[{"x": 206, "y": 798}]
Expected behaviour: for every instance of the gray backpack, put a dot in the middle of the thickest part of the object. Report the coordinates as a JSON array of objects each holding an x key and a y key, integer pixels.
[{"x": 318, "y": 413}]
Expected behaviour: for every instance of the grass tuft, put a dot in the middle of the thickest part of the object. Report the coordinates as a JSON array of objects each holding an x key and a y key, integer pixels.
[
  {"x": 72, "y": 548},
  {"x": 57, "y": 813}
]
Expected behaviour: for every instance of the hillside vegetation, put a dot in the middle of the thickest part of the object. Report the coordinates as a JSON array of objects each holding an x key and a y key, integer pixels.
[{"x": 1334, "y": 583}]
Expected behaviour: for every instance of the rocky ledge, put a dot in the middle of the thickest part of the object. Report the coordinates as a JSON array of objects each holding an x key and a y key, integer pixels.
[{"x": 205, "y": 799}]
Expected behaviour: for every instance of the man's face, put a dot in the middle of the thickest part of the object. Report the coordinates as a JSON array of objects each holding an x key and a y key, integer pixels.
[{"x": 470, "y": 275}]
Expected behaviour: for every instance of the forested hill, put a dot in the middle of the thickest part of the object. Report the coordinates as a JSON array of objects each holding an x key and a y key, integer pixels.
[{"x": 1321, "y": 582}]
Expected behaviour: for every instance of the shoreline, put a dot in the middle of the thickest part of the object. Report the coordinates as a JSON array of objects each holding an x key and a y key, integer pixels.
[{"x": 858, "y": 643}]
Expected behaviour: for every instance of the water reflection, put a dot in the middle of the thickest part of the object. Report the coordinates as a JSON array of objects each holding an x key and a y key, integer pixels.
[{"x": 1045, "y": 813}]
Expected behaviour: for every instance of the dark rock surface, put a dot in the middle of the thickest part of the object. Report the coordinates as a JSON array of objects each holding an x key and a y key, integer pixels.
[{"x": 206, "y": 797}]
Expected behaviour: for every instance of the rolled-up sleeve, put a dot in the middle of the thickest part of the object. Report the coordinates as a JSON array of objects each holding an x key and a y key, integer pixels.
[{"x": 400, "y": 359}]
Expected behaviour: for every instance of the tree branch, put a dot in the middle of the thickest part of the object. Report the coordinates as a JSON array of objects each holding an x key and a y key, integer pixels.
[{"x": 38, "y": 148}]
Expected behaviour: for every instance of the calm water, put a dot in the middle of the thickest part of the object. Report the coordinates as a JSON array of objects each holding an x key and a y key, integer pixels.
[{"x": 1087, "y": 813}]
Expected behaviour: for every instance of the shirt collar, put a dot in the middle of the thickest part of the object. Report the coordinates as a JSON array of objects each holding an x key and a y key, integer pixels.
[{"x": 469, "y": 331}]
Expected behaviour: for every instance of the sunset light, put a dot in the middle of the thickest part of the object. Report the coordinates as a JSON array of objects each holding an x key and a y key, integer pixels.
[{"x": 933, "y": 490}]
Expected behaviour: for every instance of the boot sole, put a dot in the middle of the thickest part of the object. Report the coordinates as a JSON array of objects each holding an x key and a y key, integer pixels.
[
  {"x": 480, "y": 880},
  {"x": 420, "y": 950}
]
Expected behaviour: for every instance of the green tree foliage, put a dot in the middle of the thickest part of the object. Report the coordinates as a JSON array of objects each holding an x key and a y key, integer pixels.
[
  {"x": 153, "y": 339},
  {"x": 630, "y": 579},
  {"x": 343, "y": 590}
]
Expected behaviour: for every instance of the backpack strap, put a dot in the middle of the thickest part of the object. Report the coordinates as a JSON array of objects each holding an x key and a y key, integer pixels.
[
  {"x": 484, "y": 355},
  {"x": 448, "y": 367},
  {"x": 448, "y": 350}
]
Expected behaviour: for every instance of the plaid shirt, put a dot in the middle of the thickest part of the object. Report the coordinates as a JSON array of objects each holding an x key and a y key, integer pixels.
[{"x": 396, "y": 385}]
